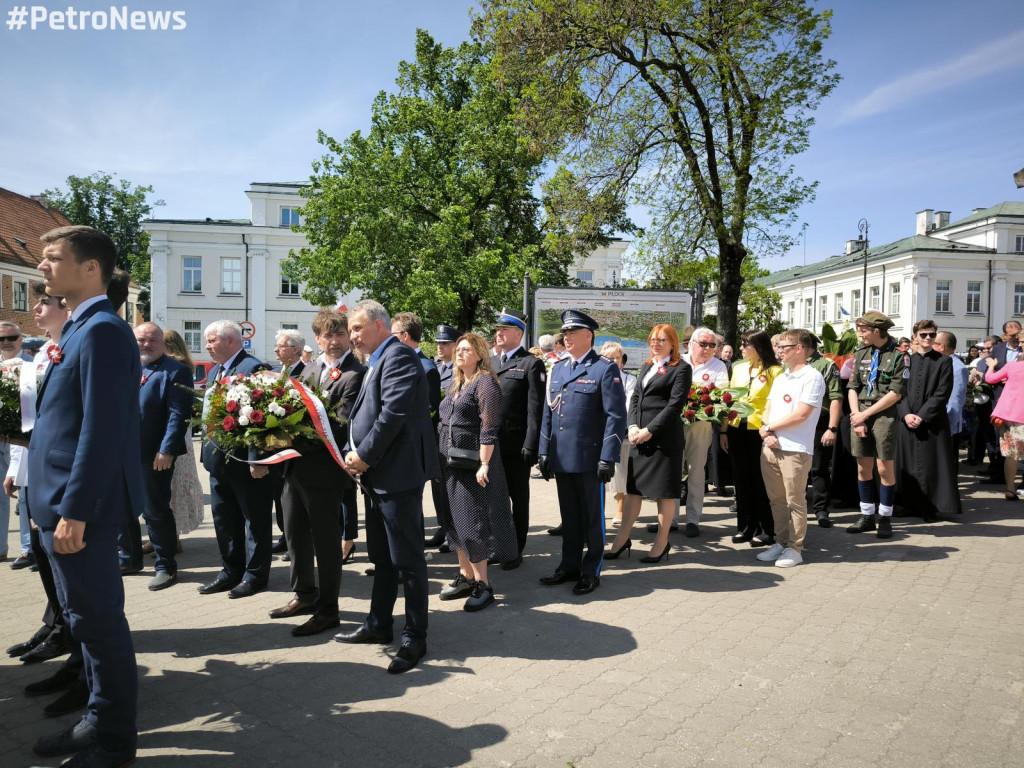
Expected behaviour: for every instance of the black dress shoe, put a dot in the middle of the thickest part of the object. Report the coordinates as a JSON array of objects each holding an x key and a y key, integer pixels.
[
  {"x": 436, "y": 540},
  {"x": 131, "y": 570},
  {"x": 586, "y": 585},
  {"x": 220, "y": 584},
  {"x": 692, "y": 530},
  {"x": 556, "y": 531},
  {"x": 279, "y": 546},
  {"x": 511, "y": 565},
  {"x": 55, "y": 646},
  {"x": 75, "y": 739},
  {"x": 295, "y": 607},
  {"x": 408, "y": 656},
  {"x": 55, "y": 683},
  {"x": 23, "y": 561},
  {"x": 72, "y": 700},
  {"x": 316, "y": 624},
  {"x": 246, "y": 589},
  {"x": 96, "y": 757},
  {"x": 444, "y": 549},
  {"x": 559, "y": 577},
  {"x": 741, "y": 538},
  {"x": 824, "y": 522},
  {"x": 366, "y": 635},
  {"x": 22, "y": 648}
]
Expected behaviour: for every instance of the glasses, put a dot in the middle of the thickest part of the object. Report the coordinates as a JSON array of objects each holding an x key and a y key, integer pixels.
[
  {"x": 931, "y": 335},
  {"x": 707, "y": 344},
  {"x": 787, "y": 346},
  {"x": 657, "y": 341},
  {"x": 744, "y": 344},
  {"x": 9, "y": 338}
]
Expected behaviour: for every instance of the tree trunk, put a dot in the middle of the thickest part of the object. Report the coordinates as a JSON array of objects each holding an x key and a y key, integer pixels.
[
  {"x": 730, "y": 259},
  {"x": 467, "y": 313}
]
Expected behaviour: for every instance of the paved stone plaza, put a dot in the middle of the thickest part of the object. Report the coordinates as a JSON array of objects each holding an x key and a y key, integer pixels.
[{"x": 900, "y": 653}]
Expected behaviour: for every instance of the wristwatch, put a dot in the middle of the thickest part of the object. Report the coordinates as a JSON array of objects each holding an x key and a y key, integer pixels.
[{"x": 833, "y": 429}]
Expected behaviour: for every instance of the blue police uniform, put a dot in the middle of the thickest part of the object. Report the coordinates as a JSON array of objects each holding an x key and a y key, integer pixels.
[{"x": 584, "y": 423}]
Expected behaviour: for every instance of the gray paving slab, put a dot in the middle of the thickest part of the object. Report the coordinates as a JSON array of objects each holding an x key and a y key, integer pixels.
[{"x": 898, "y": 653}]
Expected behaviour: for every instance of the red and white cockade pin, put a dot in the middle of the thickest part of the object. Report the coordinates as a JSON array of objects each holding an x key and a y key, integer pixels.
[
  {"x": 145, "y": 378},
  {"x": 335, "y": 374},
  {"x": 56, "y": 354},
  {"x": 787, "y": 398},
  {"x": 762, "y": 378},
  {"x": 661, "y": 370},
  {"x": 706, "y": 376}
]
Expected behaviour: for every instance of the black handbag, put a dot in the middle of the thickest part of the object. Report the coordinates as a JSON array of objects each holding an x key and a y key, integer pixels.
[{"x": 461, "y": 458}]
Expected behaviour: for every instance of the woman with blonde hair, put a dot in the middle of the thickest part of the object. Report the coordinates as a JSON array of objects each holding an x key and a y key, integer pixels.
[
  {"x": 186, "y": 491},
  {"x": 479, "y": 526}
]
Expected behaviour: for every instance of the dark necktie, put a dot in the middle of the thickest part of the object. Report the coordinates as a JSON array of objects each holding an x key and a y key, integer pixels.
[{"x": 503, "y": 358}]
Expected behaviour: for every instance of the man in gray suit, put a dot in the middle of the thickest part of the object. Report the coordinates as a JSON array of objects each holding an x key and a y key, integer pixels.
[{"x": 392, "y": 446}]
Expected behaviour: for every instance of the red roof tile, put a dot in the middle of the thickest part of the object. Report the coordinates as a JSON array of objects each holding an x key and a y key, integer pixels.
[{"x": 24, "y": 219}]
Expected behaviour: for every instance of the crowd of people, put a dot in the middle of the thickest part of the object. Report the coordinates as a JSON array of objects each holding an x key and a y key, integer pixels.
[{"x": 881, "y": 431}]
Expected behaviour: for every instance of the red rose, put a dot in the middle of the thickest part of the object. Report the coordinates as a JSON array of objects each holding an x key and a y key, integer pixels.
[
  {"x": 710, "y": 410},
  {"x": 256, "y": 417},
  {"x": 732, "y": 415},
  {"x": 726, "y": 397},
  {"x": 705, "y": 400},
  {"x": 706, "y": 389},
  {"x": 279, "y": 392},
  {"x": 690, "y": 415},
  {"x": 288, "y": 409},
  {"x": 229, "y": 423},
  {"x": 257, "y": 394},
  {"x": 231, "y": 406}
]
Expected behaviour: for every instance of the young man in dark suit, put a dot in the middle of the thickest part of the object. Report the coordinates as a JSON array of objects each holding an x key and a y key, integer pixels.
[
  {"x": 241, "y": 494},
  {"x": 392, "y": 445},
  {"x": 521, "y": 376},
  {"x": 165, "y": 410},
  {"x": 84, "y": 465},
  {"x": 315, "y": 485}
]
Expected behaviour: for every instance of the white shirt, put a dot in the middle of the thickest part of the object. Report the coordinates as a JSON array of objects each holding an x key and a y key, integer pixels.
[
  {"x": 653, "y": 371},
  {"x": 789, "y": 390},
  {"x": 713, "y": 373},
  {"x": 80, "y": 309},
  {"x": 327, "y": 368}
]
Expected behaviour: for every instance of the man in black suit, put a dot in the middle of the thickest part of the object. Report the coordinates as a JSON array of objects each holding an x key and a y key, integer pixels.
[
  {"x": 408, "y": 328},
  {"x": 165, "y": 409},
  {"x": 241, "y": 495},
  {"x": 445, "y": 339},
  {"x": 392, "y": 445},
  {"x": 521, "y": 376},
  {"x": 288, "y": 346},
  {"x": 315, "y": 484}
]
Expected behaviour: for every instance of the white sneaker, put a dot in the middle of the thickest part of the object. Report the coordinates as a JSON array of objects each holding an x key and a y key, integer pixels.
[
  {"x": 774, "y": 552},
  {"x": 789, "y": 558}
]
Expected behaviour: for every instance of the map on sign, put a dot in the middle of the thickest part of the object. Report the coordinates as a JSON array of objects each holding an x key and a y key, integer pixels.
[
  {"x": 624, "y": 315},
  {"x": 248, "y": 329}
]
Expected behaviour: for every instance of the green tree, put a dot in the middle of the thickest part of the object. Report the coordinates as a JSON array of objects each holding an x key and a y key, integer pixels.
[
  {"x": 117, "y": 209},
  {"x": 433, "y": 210},
  {"x": 693, "y": 108}
]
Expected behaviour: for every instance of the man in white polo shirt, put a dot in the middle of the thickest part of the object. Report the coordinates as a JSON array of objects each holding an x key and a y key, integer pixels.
[{"x": 788, "y": 424}]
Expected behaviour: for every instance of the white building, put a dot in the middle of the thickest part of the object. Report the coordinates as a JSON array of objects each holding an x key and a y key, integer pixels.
[
  {"x": 210, "y": 269},
  {"x": 966, "y": 275}
]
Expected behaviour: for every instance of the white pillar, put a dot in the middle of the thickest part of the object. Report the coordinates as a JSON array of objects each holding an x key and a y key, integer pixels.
[
  {"x": 258, "y": 314},
  {"x": 159, "y": 273}
]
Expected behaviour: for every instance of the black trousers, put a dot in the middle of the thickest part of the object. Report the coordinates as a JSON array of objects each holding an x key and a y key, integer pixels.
[
  {"x": 394, "y": 542},
  {"x": 312, "y": 530},
  {"x": 579, "y": 504},
  {"x": 350, "y": 514},
  {"x": 241, "y": 517},
  {"x": 753, "y": 510},
  {"x": 517, "y": 475},
  {"x": 819, "y": 493},
  {"x": 162, "y": 529}
]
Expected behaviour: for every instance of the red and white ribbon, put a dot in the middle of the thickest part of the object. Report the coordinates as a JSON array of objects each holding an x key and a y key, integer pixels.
[{"x": 322, "y": 425}]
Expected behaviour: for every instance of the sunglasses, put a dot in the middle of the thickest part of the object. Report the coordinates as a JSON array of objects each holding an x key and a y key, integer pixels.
[
  {"x": 928, "y": 335},
  {"x": 9, "y": 338},
  {"x": 707, "y": 344},
  {"x": 787, "y": 346}
]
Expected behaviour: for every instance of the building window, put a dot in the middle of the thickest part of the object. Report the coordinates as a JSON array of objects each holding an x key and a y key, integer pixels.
[
  {"x": 874, "y": 294},
  {"x": 894, "y": 299},
  {"x": 585, "y": 276},
  {"x": 1018, "y": 299},
  {"x": 289, "y": 217},
  {"x": 231, "y": 275},
  {"x": 855, "y": 300},
  {"x": 289, "y": 287},
  {"x": 974, "y": 297},
  {"x": 808, "y": 312},
  {"x": 1019, "y": 244},
  {"x": 129, "y": 313},
  {"x": 289, "y": 326},
  {"x": 838, "y": 312},
  {"x": 20, "y": 297},
  {"x": 942, "y": 295},
  {"x": 792, "y": 313},
  {"x": 192, "y": 274},
  {"x": 193, "y": 334},
  {"x": 972, "y": 343},
  {"x": 823, "y": 309}
]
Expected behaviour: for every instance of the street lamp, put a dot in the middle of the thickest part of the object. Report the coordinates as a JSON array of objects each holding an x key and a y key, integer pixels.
[{"x": 862, "y": 227}]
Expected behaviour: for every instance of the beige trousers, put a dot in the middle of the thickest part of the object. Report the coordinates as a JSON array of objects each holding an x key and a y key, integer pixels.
[{"x": 785, "y": 480}]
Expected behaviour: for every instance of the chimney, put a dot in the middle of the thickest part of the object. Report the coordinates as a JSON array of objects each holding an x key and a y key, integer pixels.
[
  {"x": 977, "y": 210},
  {"x": 924, "y": 221},
  {"x": 941, "y": 219},
  {"x": 853, "y": 246}
]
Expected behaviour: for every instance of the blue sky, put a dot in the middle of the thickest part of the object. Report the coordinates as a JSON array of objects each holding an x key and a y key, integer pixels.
[{"x": 930, "y": 113}]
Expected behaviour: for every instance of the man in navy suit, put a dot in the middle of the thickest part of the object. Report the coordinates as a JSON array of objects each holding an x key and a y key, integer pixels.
[
  {"x": 241, "y": 494},
  {"x": 408, "y": 328},
  {"x": 84, "y": 465},
  {"x": 580, "y": 441},
  {"x": 392, "y": 445},
  {"x": 165, "y": 410}
]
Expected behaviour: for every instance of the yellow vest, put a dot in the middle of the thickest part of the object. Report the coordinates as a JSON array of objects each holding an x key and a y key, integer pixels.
[{"x": 757, "y": 396}]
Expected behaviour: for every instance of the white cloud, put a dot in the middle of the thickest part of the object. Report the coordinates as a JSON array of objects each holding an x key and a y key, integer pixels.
[{"x": 995, "y": 56}]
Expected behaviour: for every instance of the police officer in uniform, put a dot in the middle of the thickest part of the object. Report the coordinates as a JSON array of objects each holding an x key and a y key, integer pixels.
[
  {"x": 580, "y": 440},
  {"x": 445, "y": 338},
  {"x": 879, "y": 378},
  {"x": 521, "y": 376}
]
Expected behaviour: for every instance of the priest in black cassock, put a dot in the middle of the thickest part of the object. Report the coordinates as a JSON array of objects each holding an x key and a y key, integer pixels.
[{"x": 925, "y": 452}]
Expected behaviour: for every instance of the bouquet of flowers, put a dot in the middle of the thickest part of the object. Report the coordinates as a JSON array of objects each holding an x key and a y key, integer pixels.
[
  {"x": 978, "y": 393},
  {"x": 263, "y": 410},
  {"x": 709, "y": 403},
  {"x": 10, "y": 405}
]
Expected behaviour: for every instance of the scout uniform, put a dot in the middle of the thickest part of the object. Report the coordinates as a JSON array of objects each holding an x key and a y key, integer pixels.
[{"x": 876, "y": 372}]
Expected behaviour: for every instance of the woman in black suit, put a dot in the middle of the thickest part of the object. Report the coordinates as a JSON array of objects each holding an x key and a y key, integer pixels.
[{"x": 655, "y": 432}]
